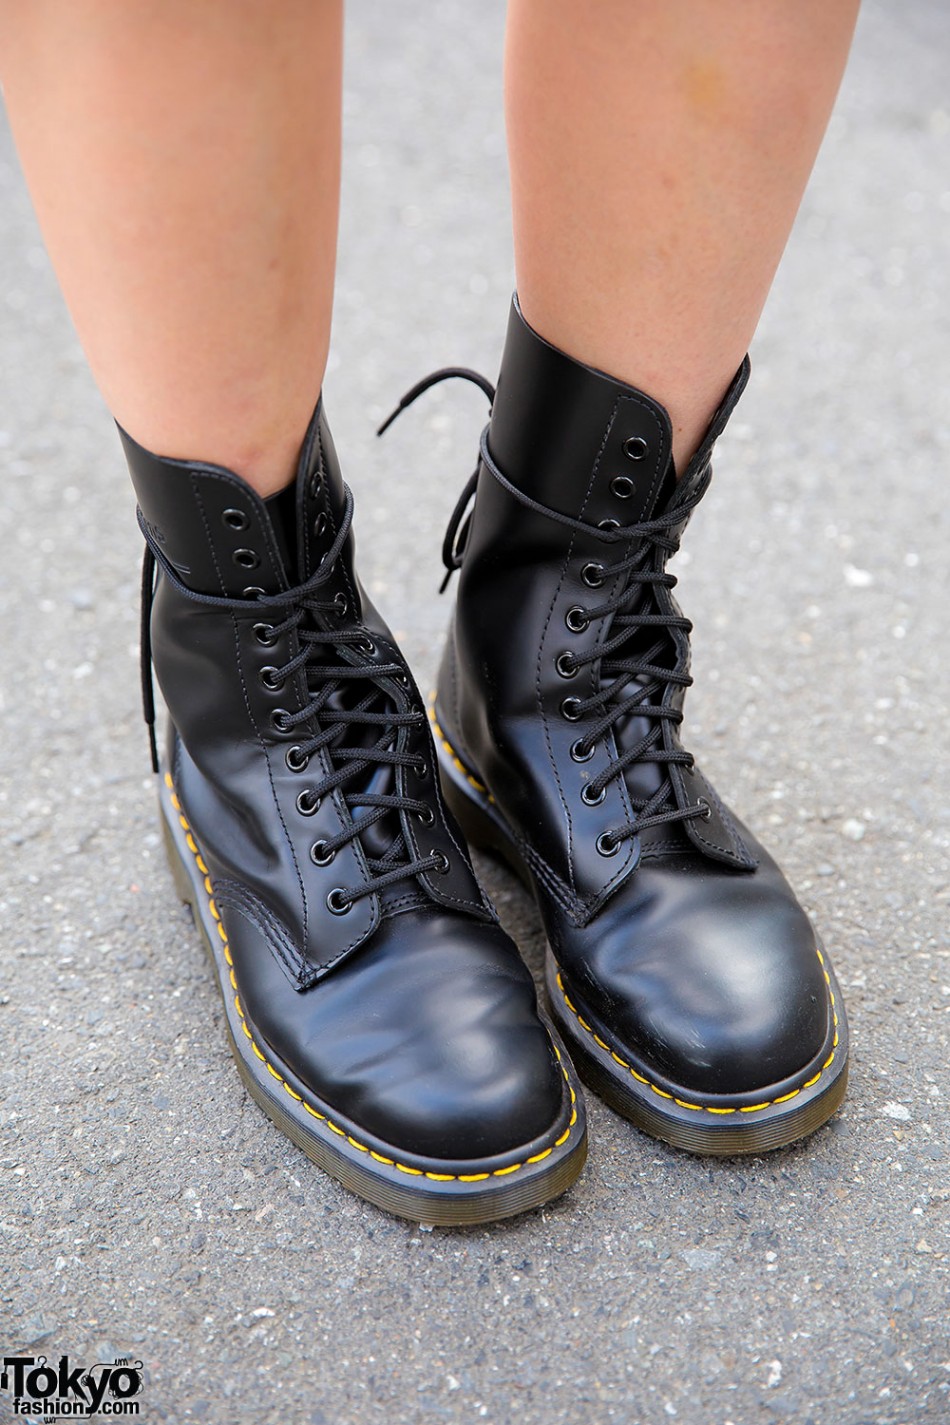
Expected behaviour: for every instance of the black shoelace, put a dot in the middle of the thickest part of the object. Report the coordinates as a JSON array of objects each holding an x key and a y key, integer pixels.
[
  {"x": 634, "y": 680},
  {"x": 328, "y": 715}
]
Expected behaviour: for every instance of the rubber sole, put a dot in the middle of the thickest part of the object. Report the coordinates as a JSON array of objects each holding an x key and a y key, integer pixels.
[
  {"x": 713, "y": 1125},
  {"x": 408, "y": 1186}
]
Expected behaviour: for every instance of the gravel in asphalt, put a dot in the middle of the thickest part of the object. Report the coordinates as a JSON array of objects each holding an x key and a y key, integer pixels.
[{"x": 146, "y": 1206}]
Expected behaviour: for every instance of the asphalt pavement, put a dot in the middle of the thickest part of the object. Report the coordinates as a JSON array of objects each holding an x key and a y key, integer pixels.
[{"x": 147, "y": 1208}]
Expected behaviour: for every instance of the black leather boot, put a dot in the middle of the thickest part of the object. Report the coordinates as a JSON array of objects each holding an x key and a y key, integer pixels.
[
  {"x": 690, "y": 986},
  {"x": 377, "y": 1011}
]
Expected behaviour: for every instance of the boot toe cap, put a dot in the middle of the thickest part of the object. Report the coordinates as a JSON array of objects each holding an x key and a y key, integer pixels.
[
  {"x": 726, "y": 996},
  {"x": 429, "y": 1039}
]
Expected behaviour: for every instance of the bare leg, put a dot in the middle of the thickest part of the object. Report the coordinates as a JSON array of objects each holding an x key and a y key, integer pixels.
[
  {"x": 659, "y": 151},
  {"x": 184, "y": 162}
]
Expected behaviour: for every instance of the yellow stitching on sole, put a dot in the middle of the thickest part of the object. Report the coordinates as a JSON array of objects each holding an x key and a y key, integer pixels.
[
  {"x": 702, "y": 1107},
  {"x": 750, "y": 1108},
  {"x": 314, "y": 1113},
  {"x": 456, "y": 761}
]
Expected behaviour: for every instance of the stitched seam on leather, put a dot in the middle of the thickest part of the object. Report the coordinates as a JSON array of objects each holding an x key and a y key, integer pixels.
[
  {"x": 438, "y": 894},
  {"x": 315, "y": 1113},
  {"x": 622, "y": 790},
  {"x": 270, "y": 778},
  {"x": 544, "y": 872},
  {"x": 196, "y": 490},
  {"x": 703, "y": 1107},
  {"x": 246, "y": 903},
  {"x": 537, "y": 684},
  {"x": 737, "y": 856},
  {"x": 674, "y": 846},
  {"x": 444, "y": 895},
  {"x": 409, "y": 901},
  {"x": 247, "y": 703}
]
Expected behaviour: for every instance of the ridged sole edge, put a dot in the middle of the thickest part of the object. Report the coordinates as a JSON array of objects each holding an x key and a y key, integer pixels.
[{"x": 396, "y": 1190}]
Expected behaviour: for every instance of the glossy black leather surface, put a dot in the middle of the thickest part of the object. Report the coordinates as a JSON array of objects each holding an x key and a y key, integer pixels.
[
  {"x": 687, "y": 940},
  {"x": 412, "y": 1012}
]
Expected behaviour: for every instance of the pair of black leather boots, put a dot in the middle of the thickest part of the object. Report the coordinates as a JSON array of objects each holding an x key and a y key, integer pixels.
[{"x": 376, "y": 1009}]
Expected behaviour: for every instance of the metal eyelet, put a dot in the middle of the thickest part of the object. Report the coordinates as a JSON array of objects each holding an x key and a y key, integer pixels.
[
  {"x": 570, "y": 709},
  {"x": 707, "y": 809},
  {"x": 247, "y": 558},
  {"x": 426, "y": 817},
  {"x": 592, "y": 799},
  {"x": 235, "y": 519},
  {"x": 635, "y": 447},
  {"x": 579, "y": 753},
  {"x": 593, "y": 575},
  {"x": 442, "y": 862},
  {"x": 296, "y": 760},
  {"x": 264, "y": 633},
  {"x": 610, "y": 525},
  {"x": 606, "y": 844},
  {"x": 364, "y": 645},
  {"x": 319, "y": 854},
  {"x": 339, "y": 600},
  {"x": 252, "y": 592},
  {"x": 422, "y": 771},
  {"x": 622, "y": 486},
  {"x": 307, "y": 803},
  {"x": 280, "y": 720},
  {"x": 313, "y": 485},
  {"x": 566, "y": 665},
  {"x": 338, "y": 903},
  {"x": 576, "y": 620},
  {"x": 271, "y": 679},
  {"x": 319, "y": 525}
]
